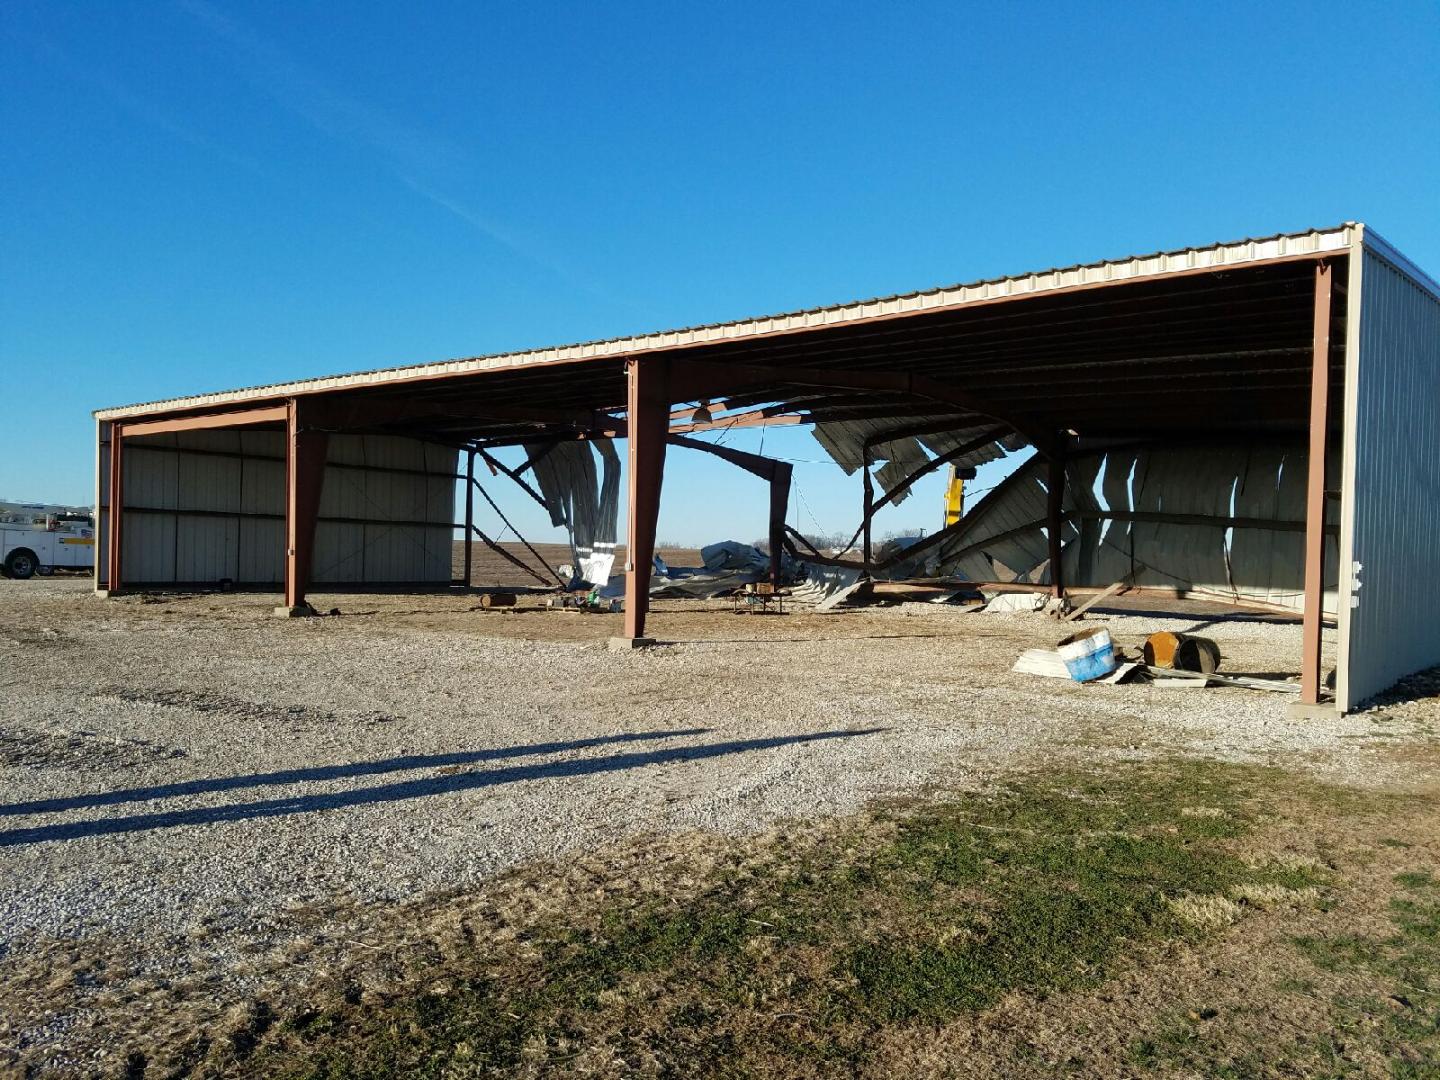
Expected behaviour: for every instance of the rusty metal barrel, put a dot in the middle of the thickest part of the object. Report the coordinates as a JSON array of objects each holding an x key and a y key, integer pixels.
[{"x": 1182, "y": 652}]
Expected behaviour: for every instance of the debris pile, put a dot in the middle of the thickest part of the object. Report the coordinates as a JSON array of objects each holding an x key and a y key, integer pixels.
[
  {"x": 1166, "y": 659},
  {"x": 728, "y": 567}
]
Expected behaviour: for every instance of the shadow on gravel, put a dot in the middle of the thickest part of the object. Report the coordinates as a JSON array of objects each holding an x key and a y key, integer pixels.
[
  {"x": 408, "y": 789},
  {"x": 328, "y": 772}
]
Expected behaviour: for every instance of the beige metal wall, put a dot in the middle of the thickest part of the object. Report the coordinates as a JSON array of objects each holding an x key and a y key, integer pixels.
[
  {"x": 1207, "y": 489},
  {"x": 204, "y": 506},
  {"x": 1392, "y": 477}
]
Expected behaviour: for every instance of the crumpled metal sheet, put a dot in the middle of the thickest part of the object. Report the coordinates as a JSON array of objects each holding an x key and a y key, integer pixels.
[
  {"x": 1266, "y": 482},
  {"x": 823, "y": 583},
  {"x": 585, "y": 501},
  {"x": 844, "y": 441},
  {"x": 1013, "y": 515}
]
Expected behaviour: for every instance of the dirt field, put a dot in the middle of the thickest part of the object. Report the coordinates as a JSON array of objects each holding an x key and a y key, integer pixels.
[{"x": 206, "y": 809}]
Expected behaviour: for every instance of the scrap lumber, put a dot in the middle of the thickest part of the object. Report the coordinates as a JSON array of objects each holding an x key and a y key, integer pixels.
[
  {"x": 1248, "y": 682},
  {"x": 1118, "y": 587}
]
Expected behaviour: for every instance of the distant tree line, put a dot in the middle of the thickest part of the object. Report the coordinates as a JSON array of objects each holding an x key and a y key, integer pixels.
[{"x": 831, "y": 541}]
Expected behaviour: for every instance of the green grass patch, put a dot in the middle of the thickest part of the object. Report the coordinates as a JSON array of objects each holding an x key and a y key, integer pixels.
[{"x": 795, "y": 956}]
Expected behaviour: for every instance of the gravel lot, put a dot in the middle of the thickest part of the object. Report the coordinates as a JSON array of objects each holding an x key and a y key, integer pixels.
[{"x": 190, "y": 778}]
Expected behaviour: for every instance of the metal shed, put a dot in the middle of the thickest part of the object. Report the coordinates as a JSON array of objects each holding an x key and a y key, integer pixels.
[{"x": 1324, "y": 343}]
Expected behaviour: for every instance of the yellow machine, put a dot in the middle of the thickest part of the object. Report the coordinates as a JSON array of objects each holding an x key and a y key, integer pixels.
[{"x": 955, "y": 494}]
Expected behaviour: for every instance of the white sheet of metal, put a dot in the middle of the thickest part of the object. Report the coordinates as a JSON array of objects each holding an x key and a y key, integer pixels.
[{"x": 1392, "y": 476}]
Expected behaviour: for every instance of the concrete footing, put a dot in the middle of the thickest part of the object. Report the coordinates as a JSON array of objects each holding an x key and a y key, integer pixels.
[
  {"x": 1299, "y": 710},
  {"x": 300, "y": 611},
  {"x": 626, "y": 644},
  {"x": 104, "y": 594}
]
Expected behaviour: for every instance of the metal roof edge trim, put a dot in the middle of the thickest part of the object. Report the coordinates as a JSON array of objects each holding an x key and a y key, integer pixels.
[
  {"x": 1136, "y": 267},
  {"x": 1378, "y": 245}
]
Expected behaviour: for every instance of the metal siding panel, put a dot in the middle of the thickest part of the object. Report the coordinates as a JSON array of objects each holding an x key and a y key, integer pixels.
[
  {"x": 147, "y": 548},
  {"x": 347, "y": 449},
  {"x": 206, "y": 548},
  {"x": 221, "y": 440},
  {"x": 391, "y": 553},
  {"x": 196, "y": 548},
  {"x": 262, "y": 487},
  {"x": 262, "y": 443},
  {"x": 440, "y": 459},
  {"x": 344, "y": 494},
  {"x": 440, "y": 507},
  {"x": 204, "y": 482},
  {"x": 262, "y": 551},
  {"x": 378, "y": 552},
  {"x": 339, "y": 553},
  {"x": 1263, "y": 565},
  {"x": 393, "y": 452},
  {"x": 1396, "y": 487},
  {"x": 150, "y": 476}
]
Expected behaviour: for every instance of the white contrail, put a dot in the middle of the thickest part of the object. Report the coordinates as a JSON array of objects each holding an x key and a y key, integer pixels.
[{"x": 413, "y": 157}]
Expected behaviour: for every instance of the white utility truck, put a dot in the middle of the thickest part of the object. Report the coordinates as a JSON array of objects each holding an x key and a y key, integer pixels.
[{"x": 39, "y": 539}]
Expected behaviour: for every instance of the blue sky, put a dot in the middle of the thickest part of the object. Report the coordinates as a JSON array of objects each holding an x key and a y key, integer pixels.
[{"x": 203, "y": 194}]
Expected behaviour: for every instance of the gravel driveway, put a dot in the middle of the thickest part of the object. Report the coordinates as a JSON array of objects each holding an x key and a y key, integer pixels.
[{"x": 188, "y": 774}]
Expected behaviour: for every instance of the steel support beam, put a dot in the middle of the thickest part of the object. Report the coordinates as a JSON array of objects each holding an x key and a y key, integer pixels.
[
  {"x": 1054, "y": 522},
  {"x": 117, "y": 507},
  {"x": 779, "y": 508},
  {"x": 305, "y": 451},
  {"x": 753, "y": 418},
  {"x": 777, "y": 473},
  {"x": 475, "y": 484},
  {"x": 1315, "y": 487},
  {"x": 469, "y": 514},
  {"x": 867, "y": 484},
  {"x": 206, "y": 421},
  {"x": 648, "y": 399}
]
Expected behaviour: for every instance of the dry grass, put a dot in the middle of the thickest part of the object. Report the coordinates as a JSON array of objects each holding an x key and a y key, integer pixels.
[{"x": 1072, "y": 924}]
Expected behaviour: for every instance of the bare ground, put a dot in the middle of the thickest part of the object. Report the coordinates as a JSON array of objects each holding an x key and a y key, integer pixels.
[{"x": 205, "y": 806}]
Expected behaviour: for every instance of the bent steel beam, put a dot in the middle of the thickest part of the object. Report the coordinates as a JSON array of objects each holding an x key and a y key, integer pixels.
[
  {"x": 695, "y": 379},
  {"x": 476, "y": 486},
  {"x": 923, "y": 471},
  {"x": 778, "y": 474}
]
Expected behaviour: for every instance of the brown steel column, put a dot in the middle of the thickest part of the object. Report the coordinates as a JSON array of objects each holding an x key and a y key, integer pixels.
[
  {"x": 116, "y": 515},
  {"x": 1054, "y": 518},
  {"x": 469, "y": 512},
  {"x": 1315, "y": 488},
  {"x": 304, "y": 475},
  {"x": 779, "y": 507},
  {"x": 648, "y": 411},
  {"x": 869, "y": 488}
]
